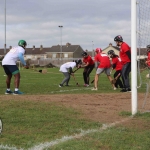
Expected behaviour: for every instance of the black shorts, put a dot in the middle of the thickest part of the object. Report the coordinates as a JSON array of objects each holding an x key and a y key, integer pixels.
[{"x": 11, "y": 69}]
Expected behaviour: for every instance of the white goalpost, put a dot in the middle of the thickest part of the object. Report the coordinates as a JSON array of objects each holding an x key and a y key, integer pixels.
[
  {"x": 139, "y": 30},
  {"x": 133, "y": 58}
]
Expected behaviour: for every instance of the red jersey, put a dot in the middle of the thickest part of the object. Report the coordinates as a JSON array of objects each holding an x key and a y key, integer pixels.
[
  {"x": 89, "y": 60},
  {"x": 148, "y": 58},
  {"x": 103, "y": 59},
  {"x": 123, "y": 49},
  {"x": 117, "y": 61}
]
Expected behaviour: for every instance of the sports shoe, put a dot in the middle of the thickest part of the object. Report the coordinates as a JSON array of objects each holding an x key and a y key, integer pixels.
[
  {"x": 60, "y": 85},
  {"x": 17, "y": 92},
  {"x": 94, "y": 89},
  {"x": 123, "y": 90},
  {"x": 86, "y": 85},
  {"x": 128, "y": 90},
  {"x": 8, "y": 92},
  {"x": 115, "y": 88}
]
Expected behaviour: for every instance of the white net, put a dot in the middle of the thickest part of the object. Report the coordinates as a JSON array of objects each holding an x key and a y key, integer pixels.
[
  {"x": 143, "y": 39},
  {"x": 143, "y": 23}
]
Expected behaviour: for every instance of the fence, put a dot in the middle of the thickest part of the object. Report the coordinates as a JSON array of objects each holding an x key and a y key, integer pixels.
[{"x": 49, "y": 62}]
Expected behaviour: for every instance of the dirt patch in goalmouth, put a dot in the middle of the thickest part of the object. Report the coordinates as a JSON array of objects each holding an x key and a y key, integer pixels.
[{"x": 104, "y": 108}]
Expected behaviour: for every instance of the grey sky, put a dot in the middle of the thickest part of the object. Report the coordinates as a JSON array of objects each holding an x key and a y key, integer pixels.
[{"x": 83, "y": 21}]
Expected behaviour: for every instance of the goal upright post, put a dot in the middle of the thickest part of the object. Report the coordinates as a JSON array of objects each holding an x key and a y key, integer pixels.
[{"x": 133, "y": 58}]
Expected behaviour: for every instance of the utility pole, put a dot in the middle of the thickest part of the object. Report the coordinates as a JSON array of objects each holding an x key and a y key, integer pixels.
[
  {"x": 5, "y": 30},
  {"x": 60, "y": 41}
]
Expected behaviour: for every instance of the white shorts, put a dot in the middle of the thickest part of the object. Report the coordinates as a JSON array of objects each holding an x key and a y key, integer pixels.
[{"x": 101, "y": 70}]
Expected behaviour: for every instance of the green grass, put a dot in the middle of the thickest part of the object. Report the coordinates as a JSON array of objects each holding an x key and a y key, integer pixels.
[
  {"x": 28, "y": 122},
  {"x": 33, "y": 82},
  {"x": 34, "y": 122}
]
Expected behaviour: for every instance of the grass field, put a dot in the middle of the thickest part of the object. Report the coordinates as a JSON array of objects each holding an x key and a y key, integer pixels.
[
  {"x": 39, "y": 125},
  {"x": 33, "y": 82}
]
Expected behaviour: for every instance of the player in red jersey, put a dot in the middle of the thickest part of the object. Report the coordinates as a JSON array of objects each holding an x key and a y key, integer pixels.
[
  {"x": 88, "y": 65},
  {"x": 125, "y": 55},
  {"x": 117, "y": 65},
  {"x": 102, "y": 64},
  {"x": 147, "y": 62}
]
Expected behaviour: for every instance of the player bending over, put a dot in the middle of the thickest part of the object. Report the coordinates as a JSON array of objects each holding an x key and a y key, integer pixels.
[
  {"x": 67, "y": 70},
  {"x": 10, "y": 67},
  {"x": 116, "y": 65},
  {"x": 104, "y": 66}
]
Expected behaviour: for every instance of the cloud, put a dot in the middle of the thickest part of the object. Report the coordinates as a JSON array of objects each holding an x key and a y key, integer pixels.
[{"x": 83, "y": 21}]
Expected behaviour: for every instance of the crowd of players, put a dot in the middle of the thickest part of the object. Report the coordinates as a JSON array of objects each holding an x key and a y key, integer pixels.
[{"x": 102, "y": 62}]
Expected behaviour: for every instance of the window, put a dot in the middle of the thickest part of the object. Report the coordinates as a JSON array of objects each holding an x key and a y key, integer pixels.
[
  {"x": 54, "y": 56},
  {"x": 65, "y": 55}
]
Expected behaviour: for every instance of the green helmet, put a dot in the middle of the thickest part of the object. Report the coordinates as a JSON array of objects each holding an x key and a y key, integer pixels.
[{"x": 22, "y": 43}]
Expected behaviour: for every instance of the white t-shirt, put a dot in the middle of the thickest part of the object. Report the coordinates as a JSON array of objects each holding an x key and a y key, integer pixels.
[
  {"x": 12, "y": 56},
  {"x": 66, "y": 66}
]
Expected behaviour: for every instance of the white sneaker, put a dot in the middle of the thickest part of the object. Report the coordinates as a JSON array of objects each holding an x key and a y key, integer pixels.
[
  {"x": 115, "y": 88},
  {"x": 60, "y": 85},
  {"x": 94, "y": 89}
]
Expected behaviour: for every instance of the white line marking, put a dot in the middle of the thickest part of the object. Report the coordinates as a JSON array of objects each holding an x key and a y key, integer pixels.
[
  {"x": 45, "y": 145},
  {"x": 6, "y": 147},
  {"x": 42, "y": 146},
  {"x": 61, "y": 91}
]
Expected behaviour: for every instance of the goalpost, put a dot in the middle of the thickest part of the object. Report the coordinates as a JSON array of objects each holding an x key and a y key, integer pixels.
[
  {"x": 133, "y": 58},
  {"x": 142, "y": 33}
]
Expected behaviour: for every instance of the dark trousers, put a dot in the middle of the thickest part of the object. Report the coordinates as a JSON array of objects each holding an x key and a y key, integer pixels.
[
  {"x": 125, "y": 75},
  {"x": 86, "y": 73},
  {"x": 118, "y": 81}
]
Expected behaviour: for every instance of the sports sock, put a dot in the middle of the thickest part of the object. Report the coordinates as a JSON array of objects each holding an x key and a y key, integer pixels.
[
  {"x": 8, "y": 89},
  {"x": 16, "y": 89}
]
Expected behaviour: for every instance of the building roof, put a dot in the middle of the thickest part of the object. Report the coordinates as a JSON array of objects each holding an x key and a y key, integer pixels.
[
  {"x": 65, "y": 48},
  {"x": 44, "y": 50},
  {"x": 140, "y": 51}
]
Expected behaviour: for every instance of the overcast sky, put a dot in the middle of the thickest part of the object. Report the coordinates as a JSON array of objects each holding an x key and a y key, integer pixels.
[{"x": 83, "y": 21}]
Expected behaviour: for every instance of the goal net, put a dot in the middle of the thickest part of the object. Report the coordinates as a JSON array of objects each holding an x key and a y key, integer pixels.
[{"x": 143, "y": 39}]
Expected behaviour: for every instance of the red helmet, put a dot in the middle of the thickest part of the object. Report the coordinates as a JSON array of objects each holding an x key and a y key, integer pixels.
[{"x": 98, "y": 50}]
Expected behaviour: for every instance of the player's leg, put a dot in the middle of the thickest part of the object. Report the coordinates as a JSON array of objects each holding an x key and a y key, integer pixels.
[
  {"x": 125, "y": 76},
  {"x": 89, "y": 70},
  {"x": 8, "y": 79},
  {"x": 118, "y": 81},
  {"x": 107, "y": 71},
  {"x": 98, "y": 72},
  {"x": 85, "y": 76},
  {"x": 66, "y": 79},
  {"x": 17, "y": 80},
  {"x": 15, "y": 71}
]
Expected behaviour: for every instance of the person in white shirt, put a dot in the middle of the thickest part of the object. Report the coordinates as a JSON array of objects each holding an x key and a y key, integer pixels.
[
  {"x": 67, "y": 70},
  {"x": 10, "y": 67}
]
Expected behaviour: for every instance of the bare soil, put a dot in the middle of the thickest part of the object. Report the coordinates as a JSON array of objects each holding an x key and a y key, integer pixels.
[{"x": 104, "y": 108}]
